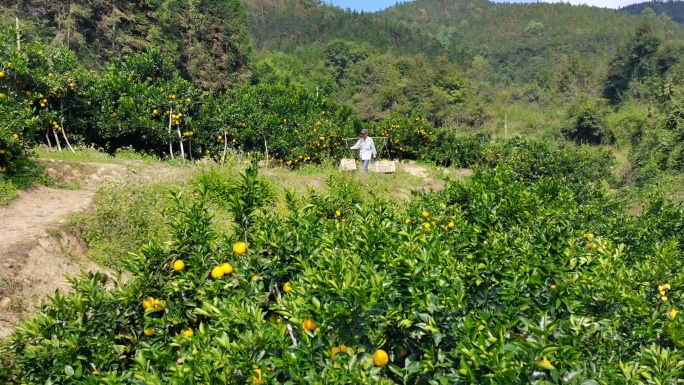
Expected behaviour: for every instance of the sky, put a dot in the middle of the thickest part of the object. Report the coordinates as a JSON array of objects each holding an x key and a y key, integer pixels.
[{"x": 376, "y": 5}]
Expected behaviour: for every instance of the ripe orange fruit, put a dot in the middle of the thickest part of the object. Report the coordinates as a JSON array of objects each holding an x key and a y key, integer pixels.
[
  {"x": 257, "y": 377},
  {"x": 2, "y": 170},
  {"x": 554, "y": 287},
  {"x": 148, "y": 303},
  {"x": 255, "y": 277},
  {"x": 240, "y": 248},
  {"x": 443, "y": 205},
  {"x": 159, "y": 304},
  {"x": 2, "y": 152},
  {"x": 2, "y": 74},
  {"x": 426, "y": 226},
  {"x": 426, "y": 214},
  {"x": 287, "y": 287},
  {"x": 155, "y": 112},
  {"x": 2, "y": 96},
  {"x": 333, "y": 352},
  {"x": 309, "y": 325},
  {"x": 217, "y": 272},
  {"x": 343, "y": 349},
  {"x": 179, "y": 265},
  {"x": 149, "y": 332},
  {"x": 451, "y": 225},
  {"x": 188, "y": 332},
  {"x": 380, "y": 358},
  {"x": 338, "y": 213},
  {"x": 227, "y": 269}
]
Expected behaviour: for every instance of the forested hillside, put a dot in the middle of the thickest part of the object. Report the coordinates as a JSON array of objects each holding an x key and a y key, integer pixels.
[
  {"x": 208, "y": 39},
  {"x": 288, "y": 26},
  {"x": 664, "y": 9}
]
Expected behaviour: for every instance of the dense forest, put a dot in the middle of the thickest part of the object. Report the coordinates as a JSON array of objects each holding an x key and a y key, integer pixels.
[
  {"x": 208, "y": 39},
  {"x": 664, "y": 9}
]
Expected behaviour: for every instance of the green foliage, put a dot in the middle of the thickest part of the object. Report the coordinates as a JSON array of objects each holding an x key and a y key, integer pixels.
[
  {"x": 8, "y": 191},
  {"x": 634, "y": 61},
  {"x": 23, "y": 109},
  {"x": 206, "y": 40},
  {"x": 514, "y": 281},
  {"x": 661, "y": 148},
  {"x": 124, "y": 218},
  {"x": 664, "y": 9},
  {"x": 586, "y": 122},
  {"x": 244, "y": 197}
]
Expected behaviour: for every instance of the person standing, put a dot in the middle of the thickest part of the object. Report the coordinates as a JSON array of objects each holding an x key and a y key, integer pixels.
[{"x": 366, "y": 148}]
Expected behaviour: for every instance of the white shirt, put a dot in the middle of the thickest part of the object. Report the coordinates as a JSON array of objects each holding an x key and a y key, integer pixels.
[{"x": 367, "y": 148}]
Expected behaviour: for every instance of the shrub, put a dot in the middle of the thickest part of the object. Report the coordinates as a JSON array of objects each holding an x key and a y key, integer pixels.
[
  {"x": 497, "y": 278},
  {"x": 586, "y": 122}
]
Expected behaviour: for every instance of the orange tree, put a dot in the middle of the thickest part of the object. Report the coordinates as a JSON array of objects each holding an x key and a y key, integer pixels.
[
  {"x": 28, "y": 92},
  {"x": 294, "y": 125},
  {"x": 495, "y": 279},
  {"x": 408, "y": 138},
  {"x": 133, "y": 101}
]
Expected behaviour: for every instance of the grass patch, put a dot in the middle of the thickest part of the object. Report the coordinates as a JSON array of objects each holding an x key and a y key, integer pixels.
[
  {"x": 91, "y": 155},
  {"x": 8, "y": 191},
  {"x": 124, "y": 217},
  {"x": 669, "y": 185}
]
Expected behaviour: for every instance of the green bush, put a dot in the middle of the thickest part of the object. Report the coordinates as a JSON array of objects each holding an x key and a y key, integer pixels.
[
  {"x": 496, "y": 279},
  {"x": 586, "y": 122},
  {"x": 8, "y": 191},
  {"x": 125, "y": 217}
]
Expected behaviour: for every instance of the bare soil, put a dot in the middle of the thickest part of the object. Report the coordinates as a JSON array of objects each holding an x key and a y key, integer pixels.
[
  {"x": 37, "y": 248},
  {"x": 34, "y": 269}
]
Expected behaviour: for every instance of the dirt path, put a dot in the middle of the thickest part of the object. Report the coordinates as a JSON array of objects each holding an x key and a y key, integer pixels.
[
  {"x": 28, "y": 217},
  {"x": 37, "y": 249}
]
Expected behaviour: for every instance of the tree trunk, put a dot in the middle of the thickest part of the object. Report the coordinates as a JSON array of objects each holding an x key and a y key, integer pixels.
[
  {"x": 47, "y": 136},
  {"x": 65, "y": 136},
  {"x": 180, "y": 140},
  {"x": 59, "y": 146},
  {"x": 266, "y": 147},
  {"x": 225, "y": 146},
  {"x": 170, "y": 141},
  {"x": 16, "y": 19}
]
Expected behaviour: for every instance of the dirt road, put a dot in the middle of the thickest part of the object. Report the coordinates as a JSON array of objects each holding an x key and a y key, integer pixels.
[{"x": 37, "y": 250}]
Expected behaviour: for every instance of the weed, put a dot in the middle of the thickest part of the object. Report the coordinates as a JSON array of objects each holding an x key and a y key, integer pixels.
[{"x": 8, "y": 191}]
